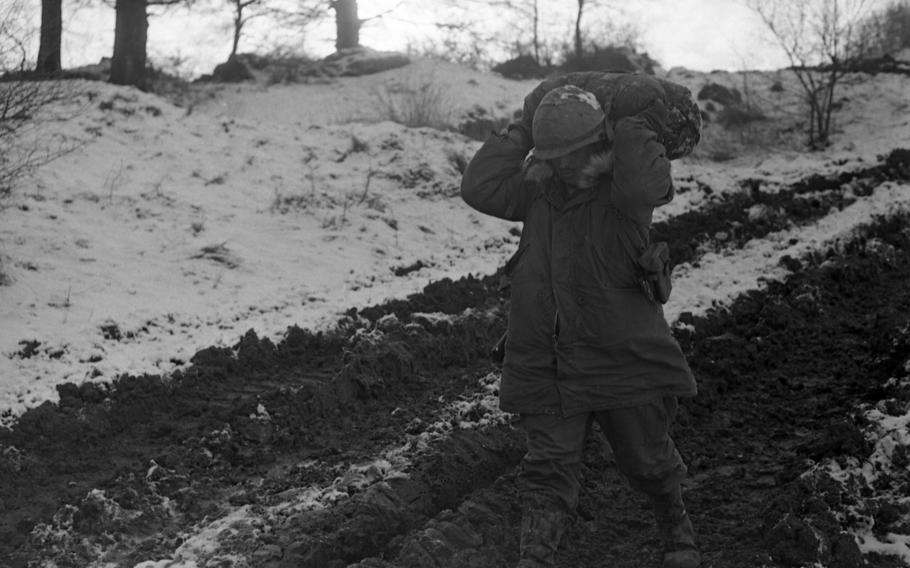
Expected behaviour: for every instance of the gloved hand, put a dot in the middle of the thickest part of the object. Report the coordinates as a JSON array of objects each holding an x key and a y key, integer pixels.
[
  {"x": 520, "y": 135},
  {"x": 636, "y": 94},
  {"x": 657, "y": 116}
]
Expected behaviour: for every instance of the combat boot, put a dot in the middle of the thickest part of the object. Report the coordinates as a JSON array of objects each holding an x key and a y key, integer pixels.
[
  {"x": 676, "y": 532},
  {"x": 541, "y": 531}
]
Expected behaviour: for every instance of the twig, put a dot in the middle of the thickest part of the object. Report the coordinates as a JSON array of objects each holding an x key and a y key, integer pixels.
[{"x": 366, "y": 186}]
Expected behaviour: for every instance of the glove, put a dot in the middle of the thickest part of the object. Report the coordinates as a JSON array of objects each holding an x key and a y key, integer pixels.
[
  {"x": 635, "y": 95},
  {"x": 657, "y": 116},
  {"x": 520, "y": 135}
]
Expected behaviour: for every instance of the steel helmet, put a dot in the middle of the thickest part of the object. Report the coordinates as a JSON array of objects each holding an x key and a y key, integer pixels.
[{"x": 568, "y": 118}]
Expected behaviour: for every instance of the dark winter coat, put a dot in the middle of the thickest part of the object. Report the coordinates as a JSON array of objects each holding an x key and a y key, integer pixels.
[{"x": 583, "y": 334}]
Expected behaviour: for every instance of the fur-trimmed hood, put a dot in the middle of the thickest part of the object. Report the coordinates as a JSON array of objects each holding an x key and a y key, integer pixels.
[{"x": 600, "y": 166}]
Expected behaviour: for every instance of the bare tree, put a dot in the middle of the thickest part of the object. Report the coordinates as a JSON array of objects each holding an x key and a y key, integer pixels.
[
  {"x": 468, "y": 34},
  {"x": 296, "y": 15},
  {"x": 579, "y": 47},
  {"x": 818, "y": 37},
  {"x": 244, "y": 11},
  {"x": 13, "y": 37},
  {"x": 530, "y": 9},
  {"x": 610, "y": 28},
  {"x": 347, "y": 24},
  {"x": 128, "y": 63},
  {"x": 886, "y": 31},
  {"x": 130, "y": 38},
  {"x": 525, "y": 10},
  {"x": 26, "y": 104},
  {"x": 51, "y": 36}
]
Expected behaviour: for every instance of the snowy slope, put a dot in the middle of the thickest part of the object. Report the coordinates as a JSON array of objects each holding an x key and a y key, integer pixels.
[{"x": 172, "y": 229}]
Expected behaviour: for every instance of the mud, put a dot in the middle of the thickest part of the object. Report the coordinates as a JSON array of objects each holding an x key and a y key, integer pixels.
[
  {"x": 121, "y": 472},
  {"x": 730, "y": 220},
  {"x": 782, "y": 374}
]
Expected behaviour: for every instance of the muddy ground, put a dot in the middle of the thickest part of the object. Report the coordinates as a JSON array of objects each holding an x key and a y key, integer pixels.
[{"x": 118, "y": 473}]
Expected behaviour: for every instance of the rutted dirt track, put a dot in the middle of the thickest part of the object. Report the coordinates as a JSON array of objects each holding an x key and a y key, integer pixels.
[{"x": 375, "y": 443}]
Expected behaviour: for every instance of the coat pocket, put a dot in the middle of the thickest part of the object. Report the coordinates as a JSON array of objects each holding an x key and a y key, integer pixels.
[{"x": 610, "y": 316}]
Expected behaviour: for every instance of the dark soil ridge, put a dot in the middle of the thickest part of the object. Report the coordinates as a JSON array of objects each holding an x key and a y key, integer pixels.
[
  {"x": 372, "y": 523},
  {"x": 720, "y": 224},
  {"x": 311, "y": 384},
  {"x": 204, "y": 429},
  {"x": 782, "y": 374},
  {"x": 737, "y": 218}
]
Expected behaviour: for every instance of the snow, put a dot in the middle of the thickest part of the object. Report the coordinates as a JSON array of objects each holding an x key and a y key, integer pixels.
[
  {"x": 173, "y": 229},
  {"x": 169, "y": 229},
  {"x": 169, "y": 232},
  {"x": 875, "y": 480},
  {"x": 722, "y": 276}
]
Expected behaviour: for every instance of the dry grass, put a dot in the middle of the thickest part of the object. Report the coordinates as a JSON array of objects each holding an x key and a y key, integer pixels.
[
  {"x": 5, "y": 279},
  {"x": 723, "y": 143},
  {"x": 414, "y": 100}
]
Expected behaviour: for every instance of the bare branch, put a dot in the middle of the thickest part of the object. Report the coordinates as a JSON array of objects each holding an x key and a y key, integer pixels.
[
  {"x": 383, "y": 14},
  {"x": 816, "y": 36}
]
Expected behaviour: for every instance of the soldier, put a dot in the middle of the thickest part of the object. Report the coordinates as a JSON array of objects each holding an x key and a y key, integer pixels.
[{"x": 587, "y": 338}]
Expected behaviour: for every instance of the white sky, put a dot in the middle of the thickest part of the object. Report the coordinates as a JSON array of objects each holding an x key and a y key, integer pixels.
[{"x": 697, "y": 34}]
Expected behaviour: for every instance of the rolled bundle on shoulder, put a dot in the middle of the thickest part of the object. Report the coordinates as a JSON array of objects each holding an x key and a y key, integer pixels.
[{"x": 627, "y": 94}]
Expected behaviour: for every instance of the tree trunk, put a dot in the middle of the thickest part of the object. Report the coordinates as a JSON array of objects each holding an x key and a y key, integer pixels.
[
  {"x": 578, "y": 45},
  {"x": 238, "y": 27},
  {"x": 347, "y": 24},
  {"x": 536, "y": 33},
  {"x": 130, "y": 38},
  {"x": 51, "y": 33}
]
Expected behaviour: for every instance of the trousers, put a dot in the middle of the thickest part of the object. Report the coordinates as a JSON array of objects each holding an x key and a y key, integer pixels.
[{"x": 639, "y": 436}]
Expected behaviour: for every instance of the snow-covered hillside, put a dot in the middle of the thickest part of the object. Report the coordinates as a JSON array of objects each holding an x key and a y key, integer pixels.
[{"x": 172, "y": 229}]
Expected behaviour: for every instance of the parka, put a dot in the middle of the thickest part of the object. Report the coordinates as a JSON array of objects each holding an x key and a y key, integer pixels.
[{"x": 583, "y": 334}]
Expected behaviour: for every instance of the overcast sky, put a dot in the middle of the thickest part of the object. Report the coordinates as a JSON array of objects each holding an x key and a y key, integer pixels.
[{"x": 699, "y": 34}]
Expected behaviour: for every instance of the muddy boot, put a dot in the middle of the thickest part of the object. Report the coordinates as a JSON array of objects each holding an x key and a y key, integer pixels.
[
  {"x": 541, "y": 531},
  {"x": 676, "y": 532}
]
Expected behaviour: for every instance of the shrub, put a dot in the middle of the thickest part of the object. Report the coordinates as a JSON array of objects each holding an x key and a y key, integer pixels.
[
  {"x": 610, "y": 58},
  {"x": 521, "y": 67},
  {"x": 234, "y": 70},
  {"x": 720, "y": 94},
  {"x": 886, "y": 31},
  {"x": 26, "y": 106},
  {"x": 278, "y": 66},
  {"x": 740, "y": 115},
  {"x": 721, "y": 143},
  {"x": 414, "y": 101},
  {"x": 5, "y": 279},
  {"x": 24, "y": 98}
]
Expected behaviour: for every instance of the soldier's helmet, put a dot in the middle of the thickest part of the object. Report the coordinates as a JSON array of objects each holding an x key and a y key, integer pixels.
[{"x": 567, "y": 118}]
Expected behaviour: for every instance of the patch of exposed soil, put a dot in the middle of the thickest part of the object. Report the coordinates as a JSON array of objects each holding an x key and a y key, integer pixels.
[
  {"x": 289, "y": 434},
  {"x": 782, "y": 375}
]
